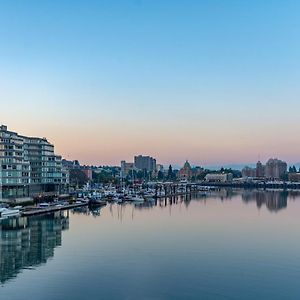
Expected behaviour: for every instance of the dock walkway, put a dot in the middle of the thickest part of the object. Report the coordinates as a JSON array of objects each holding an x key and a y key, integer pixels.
[{"x": 39, "y": 211}]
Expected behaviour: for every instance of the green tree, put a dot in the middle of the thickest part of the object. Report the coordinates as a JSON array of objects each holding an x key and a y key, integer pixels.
[
  {"x": 171, "y": 174},
  {"x": 160, "y": 175},
  {"x": 104, "y": 176},
  {"x": 78, "y": 178}
]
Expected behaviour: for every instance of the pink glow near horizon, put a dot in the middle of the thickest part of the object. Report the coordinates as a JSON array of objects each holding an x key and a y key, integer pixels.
[{"x": 91, "y": 145}]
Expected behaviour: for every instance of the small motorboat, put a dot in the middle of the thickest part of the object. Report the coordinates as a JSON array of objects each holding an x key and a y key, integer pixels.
[
  {"x": 149, "y": 195},
  {"x": 44, "y": 205},
  {"x": 83, "y": 200},
  {"x": 137, "y": 198},
  {"x": 9, "y": 213},
  {"x": 117, "y": 199}
]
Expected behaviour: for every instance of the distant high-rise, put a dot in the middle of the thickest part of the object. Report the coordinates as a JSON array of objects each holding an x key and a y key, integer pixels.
[
  {"x": 126, "y": 168},
  {"x": 248, "y": 172},
  {"x": 275, "y": 168},
  {"x": 145, "y": 163},
  {"x": 260, "y": 169}
]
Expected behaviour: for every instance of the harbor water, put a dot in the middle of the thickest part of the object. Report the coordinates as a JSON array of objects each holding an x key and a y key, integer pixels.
[{"x": 220, "y": 244}]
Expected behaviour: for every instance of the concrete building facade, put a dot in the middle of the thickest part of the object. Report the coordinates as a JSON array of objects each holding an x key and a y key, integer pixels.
[
  {"x": 147, "y": 163},
  {"x": 126, "y": 168},
  {"x": 214, "y": 177},
  {"x": 248, "y": 172},
  {"x": 29, "y": 166},
  {"x": 275, "y": 169},
  {"x": 88, "y": 172}
]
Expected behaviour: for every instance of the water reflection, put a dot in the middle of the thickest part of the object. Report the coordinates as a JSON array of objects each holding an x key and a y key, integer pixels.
[
  {"x": 273, "y": 200},
  {"x": 29, "y": 242},
  {"x": 88, "y": 211}
]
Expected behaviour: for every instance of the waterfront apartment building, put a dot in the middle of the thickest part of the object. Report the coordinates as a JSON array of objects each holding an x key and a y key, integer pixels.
[
  {"x": 147, "y": 163},
  {"x": 29, "y": 166}
]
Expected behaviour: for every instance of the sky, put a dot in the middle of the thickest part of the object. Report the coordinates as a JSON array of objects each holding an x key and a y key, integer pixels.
[{"x": 214, "y": 82}]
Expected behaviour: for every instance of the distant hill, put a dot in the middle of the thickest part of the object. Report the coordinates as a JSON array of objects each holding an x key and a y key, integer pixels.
[
  {"x": 217, "y": 167},
  {"x": 231, "y": 166}
]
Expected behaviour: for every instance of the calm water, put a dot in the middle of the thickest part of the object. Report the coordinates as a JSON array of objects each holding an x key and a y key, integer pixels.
[{"x": 228, "y": 244}]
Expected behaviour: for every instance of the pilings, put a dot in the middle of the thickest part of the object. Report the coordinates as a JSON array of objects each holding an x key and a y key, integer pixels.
[{"x": 174, "y": 189}]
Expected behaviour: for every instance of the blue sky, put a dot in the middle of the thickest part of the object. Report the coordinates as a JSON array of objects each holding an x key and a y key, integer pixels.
[{"x": 211, "y": 81}]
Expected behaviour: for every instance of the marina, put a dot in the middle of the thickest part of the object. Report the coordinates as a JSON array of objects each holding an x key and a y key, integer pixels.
[
  {"x": 139, "y": 194},
  {"x": 235, "y": 233}
]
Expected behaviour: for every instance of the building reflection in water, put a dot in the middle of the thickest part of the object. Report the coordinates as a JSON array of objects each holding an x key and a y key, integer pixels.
[
  {"x": 29, "y": 242},
  {"x": 273, "y": 200}
]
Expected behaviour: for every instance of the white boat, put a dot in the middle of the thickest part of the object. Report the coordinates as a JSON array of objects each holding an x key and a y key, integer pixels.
[
  {"x": 117, "y": 199},
  {"x": 18, "y": 207},
  {"x": 149, "y": 195},
  {"x": 8, "y": 213},
  {"x": 110, "y": 193},
  {"x": 161, "y": 193},
  {"x": 137, "y": 198},
  {"x": 83, "y": 200}
]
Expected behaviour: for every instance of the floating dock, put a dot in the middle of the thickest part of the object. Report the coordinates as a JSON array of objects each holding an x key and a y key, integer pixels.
[{"x": 46, "y": 210}]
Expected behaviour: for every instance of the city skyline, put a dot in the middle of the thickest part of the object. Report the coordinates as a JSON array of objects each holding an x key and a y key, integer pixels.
[
  {"x": 210, "y": 82},
  {"x": 177, "y": 164}
]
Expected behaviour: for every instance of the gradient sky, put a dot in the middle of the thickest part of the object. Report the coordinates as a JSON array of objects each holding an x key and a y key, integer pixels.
[{"x": 215, "y": 82}]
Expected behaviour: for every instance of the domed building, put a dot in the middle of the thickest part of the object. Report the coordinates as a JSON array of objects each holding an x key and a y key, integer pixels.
[{"x": 187, "y": 172}]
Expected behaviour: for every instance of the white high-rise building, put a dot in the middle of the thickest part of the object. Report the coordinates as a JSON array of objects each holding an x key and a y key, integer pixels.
[{"x": 29, "y": 166}]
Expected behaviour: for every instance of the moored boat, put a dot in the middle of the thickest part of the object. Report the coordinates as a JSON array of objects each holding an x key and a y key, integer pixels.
[
  {"x": 96, "y": 202},
  {"x": 9, "y": 213},
  {"x": 137, "y": 198}
]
